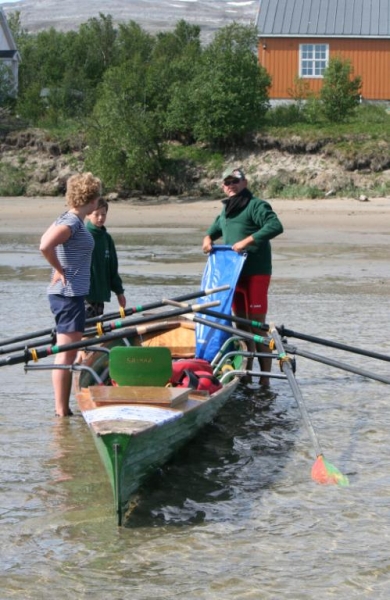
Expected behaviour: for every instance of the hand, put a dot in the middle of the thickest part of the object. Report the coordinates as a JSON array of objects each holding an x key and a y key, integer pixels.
[
  {"x": 57, "y": 276},
  {"x": 239, "y": 247},
  {"x": 242, "y": 245},
  {"x": 207, "y": 245}
]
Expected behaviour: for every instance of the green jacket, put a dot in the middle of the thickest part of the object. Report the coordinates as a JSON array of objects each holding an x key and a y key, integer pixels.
[
  {"x": 104, "y": 266},
  {"x": 256, "y": 219}
]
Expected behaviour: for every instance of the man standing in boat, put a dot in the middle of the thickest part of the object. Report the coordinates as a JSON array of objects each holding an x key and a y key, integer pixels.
[{"x": 247, "y": 224}]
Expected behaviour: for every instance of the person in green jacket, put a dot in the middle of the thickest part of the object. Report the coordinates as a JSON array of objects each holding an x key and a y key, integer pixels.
[
  {"x": 247, "y": 224},
  {"x": 104, "y": 266}
]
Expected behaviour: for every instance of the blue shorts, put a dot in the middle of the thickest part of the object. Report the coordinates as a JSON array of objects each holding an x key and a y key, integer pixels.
[{"x": 69, "y": 312}]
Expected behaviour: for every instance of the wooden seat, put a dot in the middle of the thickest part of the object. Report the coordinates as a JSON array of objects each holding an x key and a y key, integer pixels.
[{"x": 141, "y": 366}]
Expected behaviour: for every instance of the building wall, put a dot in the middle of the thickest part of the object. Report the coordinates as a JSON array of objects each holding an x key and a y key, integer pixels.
[
  {"x": 7, "y": 44},
  {"x": 370, "y": 59},
  {"x": 3, "y": 42}
]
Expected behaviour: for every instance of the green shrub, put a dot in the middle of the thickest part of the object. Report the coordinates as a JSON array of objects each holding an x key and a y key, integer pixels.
[
  {"x": 340, "y": 92},
  {"x": 12, "y": 181}
]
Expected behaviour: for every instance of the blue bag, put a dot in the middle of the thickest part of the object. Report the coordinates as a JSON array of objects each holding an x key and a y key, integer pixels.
[{"x": 223, "y": 267}]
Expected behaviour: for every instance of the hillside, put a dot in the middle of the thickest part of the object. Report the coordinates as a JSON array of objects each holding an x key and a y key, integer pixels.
[{"x": 152, "y": 15}]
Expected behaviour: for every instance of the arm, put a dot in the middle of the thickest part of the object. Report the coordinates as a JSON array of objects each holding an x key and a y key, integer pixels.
[
  {"x": 268, "y": 225},
  {"x": 116, "y": 280},
  {"x": 53, "y": 237}
]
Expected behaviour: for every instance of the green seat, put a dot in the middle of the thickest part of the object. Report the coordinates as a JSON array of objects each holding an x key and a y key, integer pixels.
[{"x": 138, "y": 365}]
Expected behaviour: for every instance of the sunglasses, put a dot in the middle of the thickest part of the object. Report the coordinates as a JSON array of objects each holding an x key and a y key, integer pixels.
[{"x": 233, "y": 181}]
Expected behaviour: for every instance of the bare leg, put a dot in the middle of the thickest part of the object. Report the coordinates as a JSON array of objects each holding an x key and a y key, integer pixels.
[{"x": 62, "y": 379}]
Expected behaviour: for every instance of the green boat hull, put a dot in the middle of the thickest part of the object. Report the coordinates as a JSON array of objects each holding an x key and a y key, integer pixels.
[{"x": 130, "y": 459}]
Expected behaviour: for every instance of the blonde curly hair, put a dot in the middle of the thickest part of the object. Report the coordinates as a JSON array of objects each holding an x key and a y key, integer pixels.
[{"x": 82, "y": 188}]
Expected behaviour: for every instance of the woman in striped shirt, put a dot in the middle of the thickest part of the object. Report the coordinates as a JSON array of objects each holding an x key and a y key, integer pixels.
[{"x": 67, "y": 246}]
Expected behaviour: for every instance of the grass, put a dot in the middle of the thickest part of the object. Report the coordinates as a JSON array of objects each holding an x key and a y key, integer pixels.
[{"x": 369, "y": 120}]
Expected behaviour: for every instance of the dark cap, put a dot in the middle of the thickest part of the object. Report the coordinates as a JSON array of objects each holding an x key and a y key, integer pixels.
[{"x": 233, "y": 172}]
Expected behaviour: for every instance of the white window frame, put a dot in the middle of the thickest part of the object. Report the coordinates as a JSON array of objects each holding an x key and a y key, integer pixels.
[{"x": 313, "y": 60}]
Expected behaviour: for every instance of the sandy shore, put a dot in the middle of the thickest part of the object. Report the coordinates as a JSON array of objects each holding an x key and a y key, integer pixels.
[{"x": 320, "y": 220}]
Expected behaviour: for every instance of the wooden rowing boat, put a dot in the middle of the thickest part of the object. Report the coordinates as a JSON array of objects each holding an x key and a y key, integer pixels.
[{"x": 139, "y": 424}]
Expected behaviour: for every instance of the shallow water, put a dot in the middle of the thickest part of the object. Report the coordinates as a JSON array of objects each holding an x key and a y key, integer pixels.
[{"x": 236, "y": 514}]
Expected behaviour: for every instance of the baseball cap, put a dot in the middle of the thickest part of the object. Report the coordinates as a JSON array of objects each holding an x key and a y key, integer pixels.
[{"x": 233, "y": 172}]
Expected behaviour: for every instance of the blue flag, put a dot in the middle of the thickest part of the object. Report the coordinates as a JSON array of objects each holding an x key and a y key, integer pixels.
[{"x": 223, "y": 267}]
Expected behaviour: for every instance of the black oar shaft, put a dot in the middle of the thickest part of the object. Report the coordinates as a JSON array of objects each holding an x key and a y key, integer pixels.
[
  {"x": 336, "y": 363},
  {"x": 29, "y": 344},
  {"x": 288, "y": 371},
  {"x": 331, "y": 344}
]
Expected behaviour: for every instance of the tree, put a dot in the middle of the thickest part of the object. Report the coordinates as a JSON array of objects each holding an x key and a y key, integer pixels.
[
  {"x": 227, "y": 97},
  {"x": 124, "y": 141},
  {"x": 340, "y": 93},
  {"x": 7, "y": 84},
  {"x": 134, "y": 43},
  {"x": 127, "y": 132},
  {"x": 173, "y": 60}
]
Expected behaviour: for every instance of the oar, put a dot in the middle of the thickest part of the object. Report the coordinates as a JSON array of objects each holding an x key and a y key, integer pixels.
[
  {"x": 290, "y": 333},
  {"x": 322, "y": 470},
  {"x": 36, "y": 353},
  {"x": 293, "y": 350},
  {"x": 128, "y": 312},
  {"x": 335, "y": 363},
  {"x": 331, "y": 344}
]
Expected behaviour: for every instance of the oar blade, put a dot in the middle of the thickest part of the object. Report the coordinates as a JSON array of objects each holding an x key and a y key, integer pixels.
[{"x": 324, "y": 472}]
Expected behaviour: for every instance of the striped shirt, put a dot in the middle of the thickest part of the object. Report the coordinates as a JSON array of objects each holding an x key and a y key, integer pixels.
[{"x": 75, "y": 257}]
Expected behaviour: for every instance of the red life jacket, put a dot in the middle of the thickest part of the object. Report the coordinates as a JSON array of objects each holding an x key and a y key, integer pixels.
[
  {"x": 200, "y": 380},
  {"x": 190, "y": 364}
]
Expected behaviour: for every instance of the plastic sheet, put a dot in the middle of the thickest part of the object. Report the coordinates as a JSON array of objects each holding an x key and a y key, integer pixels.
[{"x": 223, "y": 267}]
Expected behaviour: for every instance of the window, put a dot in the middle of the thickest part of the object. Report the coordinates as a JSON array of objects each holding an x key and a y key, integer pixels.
[{"x": 313, "y": 59}]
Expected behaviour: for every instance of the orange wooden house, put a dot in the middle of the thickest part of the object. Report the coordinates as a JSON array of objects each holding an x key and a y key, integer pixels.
[{"x": 297, "y": 38}]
